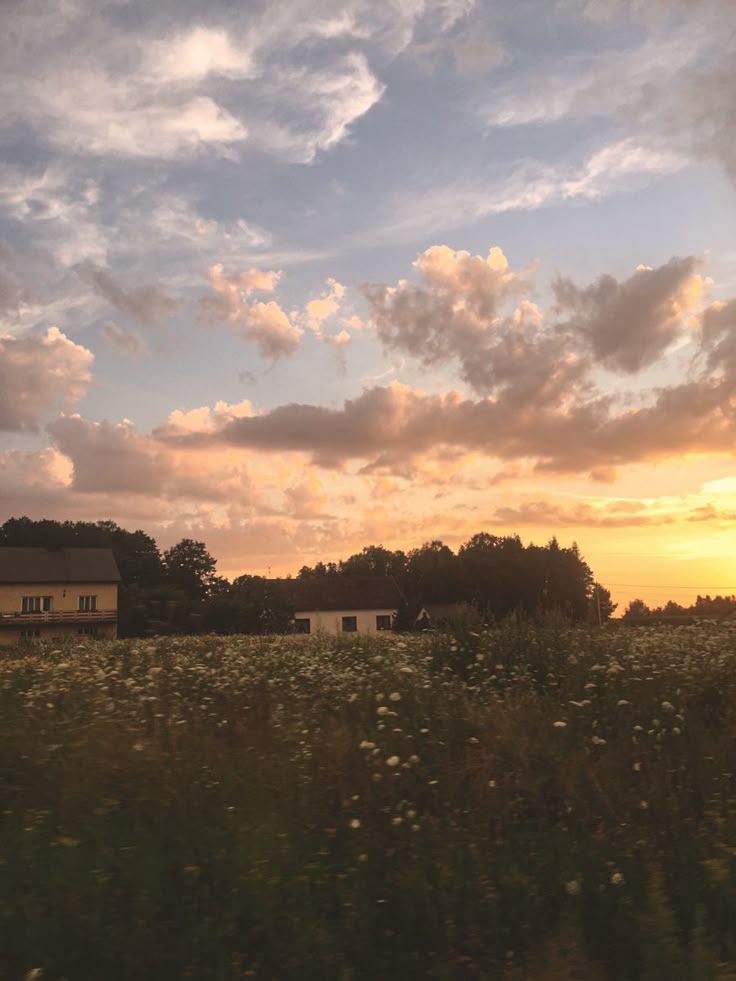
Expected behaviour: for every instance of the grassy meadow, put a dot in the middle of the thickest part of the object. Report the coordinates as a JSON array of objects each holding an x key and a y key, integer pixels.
[{"x": 542, "y": 803}]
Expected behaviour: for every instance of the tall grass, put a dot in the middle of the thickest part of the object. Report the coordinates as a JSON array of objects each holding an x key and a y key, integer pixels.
[{"x": 523, "y": 803}]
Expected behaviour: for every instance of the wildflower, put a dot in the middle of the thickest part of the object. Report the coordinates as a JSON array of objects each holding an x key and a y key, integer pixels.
[
  {"x": 382, "y": 710},
  {"x": 397, "y": 820},
  {"x": 643, "y": 805},
  {"x": 355, "y": 823},
  {"x": 366, "y": 745},
  {"x": 491, "y": 783},
  {"x": 393, "y": 761},
  {"x": 376, "y": 777},
  {"x": 572, "y": 888},
  {"x": 637, "y": 767},
  {"x": 597, "y": 741},
  {"x": 668, "y": 706},
  {"x": 622, "y": 701},
  {"x": 617, "y": 879},
  {"x": 380, "y": 696},
  {"x": 414, "y": 758},
  {"x": 560, "y": 724},
  {"x": 394, "y": 696}
]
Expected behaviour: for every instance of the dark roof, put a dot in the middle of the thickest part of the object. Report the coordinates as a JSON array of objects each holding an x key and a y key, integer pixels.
[
  {"x": 20, "y": 565},
  {"x": 442, "y": 611},
  {"x": 342, "y": 592}
]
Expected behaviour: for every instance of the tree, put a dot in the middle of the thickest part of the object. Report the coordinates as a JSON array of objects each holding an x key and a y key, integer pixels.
[
  {"x": 636, "y": 609},
  {"x": 251, "y": 605},
  {"x": 191, "y": 568},
  {"x": 432, "y": 574},
  {"x": 601, "y": 607},
  {"x": 375, "y": 560}
]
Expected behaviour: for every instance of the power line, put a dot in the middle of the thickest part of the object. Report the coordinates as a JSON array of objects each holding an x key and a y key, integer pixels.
[{"x": 656, "y": 585}]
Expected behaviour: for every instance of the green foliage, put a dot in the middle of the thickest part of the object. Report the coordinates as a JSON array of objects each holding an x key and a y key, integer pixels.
[{"x": 528, "y": 802}]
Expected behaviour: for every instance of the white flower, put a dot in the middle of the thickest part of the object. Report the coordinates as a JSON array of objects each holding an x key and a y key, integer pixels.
[
  {"x": 617, "y": 879},
  {"x": 355, "y": 823},
  {"x": 597, "y": 741},
  {"x": 560, "y": 724},
  {"x": 393, "y": 761},
  {"x": 367, "y": 745},
  {"x": 394, "y": 696},
  {"x": 637, "y": 767},
  {"x": 382, "y": 710},
  {"x": 572, "y": 888}
]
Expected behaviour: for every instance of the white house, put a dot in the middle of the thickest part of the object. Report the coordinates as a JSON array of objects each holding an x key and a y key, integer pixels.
[{"x": 342, "y": 604}]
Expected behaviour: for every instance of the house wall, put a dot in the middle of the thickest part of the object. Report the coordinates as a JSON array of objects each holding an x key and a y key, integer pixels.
[
  {"x": 330, "y": 621},
  {"x": 65, "y": 599}
]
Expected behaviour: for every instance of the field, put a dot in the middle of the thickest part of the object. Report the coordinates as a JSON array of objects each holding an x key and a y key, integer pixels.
[{"x": 539, "y": 803}]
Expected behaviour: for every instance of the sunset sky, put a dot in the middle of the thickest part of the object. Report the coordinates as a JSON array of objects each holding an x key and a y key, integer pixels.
[{"x": 293, "y": 278}]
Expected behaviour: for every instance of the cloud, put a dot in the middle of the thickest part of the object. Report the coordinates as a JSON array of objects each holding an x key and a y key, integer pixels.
[
  {"x": 196, "y": 54},
  {"x": 387, "y": 429},
  {"x": 295, "y": 80},
  {"x": 458, "y": 315},
  {"x": 148, "y": 304},
  {"x": 126, "y": 341},
  {"x": 266, "y": 324},
  {"x": 115, "y": 459},
  {"x": 673, "y": 90},
  {"x": 719, "y": 337},
  {"x": 526, "y": 185},
  {"x": 606, "y": 514},
  {"x": 326, "y": 102},
  {"x": 629, "y": 324},
  {"x": 37, "y": 373},
  {"x": 12, "y": 294}
]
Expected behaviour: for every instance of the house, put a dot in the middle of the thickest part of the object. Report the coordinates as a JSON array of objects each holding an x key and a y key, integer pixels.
[
  {"x": 446, "y": 616},
  {"x": 342, "y": 604},
  {"x": 57, "y": 593}
]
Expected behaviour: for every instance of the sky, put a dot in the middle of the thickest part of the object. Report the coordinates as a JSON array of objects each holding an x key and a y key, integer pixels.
[{"x": 295, "y": 278}]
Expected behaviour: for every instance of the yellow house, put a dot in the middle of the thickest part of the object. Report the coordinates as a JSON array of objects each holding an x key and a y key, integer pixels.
[
  {"x": 57, "y": 593},
  {"x": 342, "y": 604}
]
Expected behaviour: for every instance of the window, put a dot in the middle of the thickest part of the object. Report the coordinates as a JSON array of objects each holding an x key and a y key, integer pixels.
[
  {"x": 36, "y": 604},
  {"x": 350, "y": 624},
  {"x": 88, "y": 631},
  {"x": 302, "y": 625},
  {"x": 87, "y": 604},
  {"x": 383, "y": 621}
]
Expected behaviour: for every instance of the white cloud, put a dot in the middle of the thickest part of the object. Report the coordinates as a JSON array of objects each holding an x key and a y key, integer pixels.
[
  {"x": 266, "y": 324},
  {"x": 37, "y": 373},
  {"x": 197, "y": 53},
  {"x": 529, "y": 185}
]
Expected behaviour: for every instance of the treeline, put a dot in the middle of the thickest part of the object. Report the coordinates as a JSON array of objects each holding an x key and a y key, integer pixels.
[
  {"x": 706, "y": 607},
  {"x": 179, "y": 590},
  {"x": 494, "y": 575}
]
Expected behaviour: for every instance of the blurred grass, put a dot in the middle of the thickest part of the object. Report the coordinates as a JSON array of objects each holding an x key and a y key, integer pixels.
[{"x": 522, "y": 803}]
